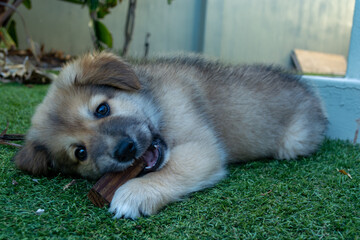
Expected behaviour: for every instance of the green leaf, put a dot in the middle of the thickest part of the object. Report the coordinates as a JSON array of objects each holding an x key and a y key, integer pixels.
[
  {"x": 93, "y": 4},
  {"x": 111, "y": 3},
  {"x": 5, "y": 39},
  {"x": 27, "y": 4},
  {"x": 11, "y": 29},
  {"x": 169, "y": 1},
  {"x": 103, "y": 34},
  {"x": 102, "y": 12}
]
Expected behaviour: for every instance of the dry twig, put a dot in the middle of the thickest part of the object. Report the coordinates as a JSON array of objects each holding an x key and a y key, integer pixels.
[
  {"x": 4, "y": 138},
  {"x": 344, "y": 172},
  {"x": 73, "y": 182},
  {"x": 357, "y": 130}
]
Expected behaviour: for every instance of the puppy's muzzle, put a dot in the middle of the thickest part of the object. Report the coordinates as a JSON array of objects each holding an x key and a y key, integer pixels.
[{"x": 125, "y": 151}]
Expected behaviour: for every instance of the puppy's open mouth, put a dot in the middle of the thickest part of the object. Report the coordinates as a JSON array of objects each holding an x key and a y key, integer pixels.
[{"x": 153, "y": 157}]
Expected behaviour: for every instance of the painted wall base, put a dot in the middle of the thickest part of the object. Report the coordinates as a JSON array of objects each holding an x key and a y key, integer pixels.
[{"x": 341, "y": 98}]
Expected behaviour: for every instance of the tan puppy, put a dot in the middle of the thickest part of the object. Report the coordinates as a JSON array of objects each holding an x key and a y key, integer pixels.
[{"x": 186, "y": 117}]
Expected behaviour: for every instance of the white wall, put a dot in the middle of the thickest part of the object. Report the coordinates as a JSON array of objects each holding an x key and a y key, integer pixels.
[
  {"x": 64, "y": 26},
  {"x": 267, "y": 30},
  {"x": 56, "y": 24},
  {"x": 234, "y": 30}
]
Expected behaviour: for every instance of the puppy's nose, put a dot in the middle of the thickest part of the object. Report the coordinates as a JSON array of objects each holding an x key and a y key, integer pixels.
[{"x": 125, "y": 150}]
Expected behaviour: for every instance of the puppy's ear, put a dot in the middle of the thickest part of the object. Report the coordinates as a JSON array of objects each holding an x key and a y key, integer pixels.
[
  {"x": 33, "y": 158},
  {"x": 107, "y": 69}
]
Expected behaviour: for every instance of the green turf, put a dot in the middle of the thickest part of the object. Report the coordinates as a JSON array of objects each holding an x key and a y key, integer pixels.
[{"x": 304, "y": 199}]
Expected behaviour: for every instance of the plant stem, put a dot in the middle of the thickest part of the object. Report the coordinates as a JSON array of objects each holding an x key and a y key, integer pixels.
[
  {"x": 9, "y": 11},
  {"x": 129, "y": 27}
]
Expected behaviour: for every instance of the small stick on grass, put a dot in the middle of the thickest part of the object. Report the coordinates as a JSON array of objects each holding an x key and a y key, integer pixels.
[
  {"x": 10, "y": 137},
  {"x": 10, "y": 144},
  {"x": 357, "y": 130}
]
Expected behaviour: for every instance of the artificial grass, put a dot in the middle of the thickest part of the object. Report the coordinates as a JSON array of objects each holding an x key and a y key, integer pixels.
[{"x": 304, "y": 199}]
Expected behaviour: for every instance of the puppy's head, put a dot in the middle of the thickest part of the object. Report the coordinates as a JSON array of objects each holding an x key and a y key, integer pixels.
[{"x": 94, "y": 119}]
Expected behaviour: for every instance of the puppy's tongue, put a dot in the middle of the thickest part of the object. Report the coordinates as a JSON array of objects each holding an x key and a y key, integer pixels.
[{"x": 150, "y": 157}]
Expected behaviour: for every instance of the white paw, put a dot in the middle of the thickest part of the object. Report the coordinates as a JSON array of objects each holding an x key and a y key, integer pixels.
[{"x": 135, "y": 199}]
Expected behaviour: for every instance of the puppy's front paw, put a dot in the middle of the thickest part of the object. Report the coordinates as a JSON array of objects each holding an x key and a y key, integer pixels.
[{"x": 135, "y": 199}]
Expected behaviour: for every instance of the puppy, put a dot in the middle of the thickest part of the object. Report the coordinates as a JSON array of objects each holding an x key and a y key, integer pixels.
[{"x": 186, "y": 117}]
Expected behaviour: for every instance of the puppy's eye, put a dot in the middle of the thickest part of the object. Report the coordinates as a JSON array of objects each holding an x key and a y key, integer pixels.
[
  {"x": 80, "y": 153},
  {"x": 103, "y": 110}
]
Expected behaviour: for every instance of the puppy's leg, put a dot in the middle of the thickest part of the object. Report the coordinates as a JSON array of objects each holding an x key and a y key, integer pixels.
[
  {"x": 191, "y": 167},
  {"x": 303, "y": 136}
]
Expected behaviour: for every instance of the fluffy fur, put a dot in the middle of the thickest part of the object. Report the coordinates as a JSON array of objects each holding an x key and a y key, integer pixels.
[{"x": 187, "y": 117}]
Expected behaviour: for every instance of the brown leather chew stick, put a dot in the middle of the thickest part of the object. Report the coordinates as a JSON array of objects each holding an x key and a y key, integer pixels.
[{"x": 104, "y": 189}]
